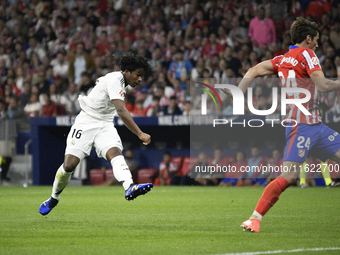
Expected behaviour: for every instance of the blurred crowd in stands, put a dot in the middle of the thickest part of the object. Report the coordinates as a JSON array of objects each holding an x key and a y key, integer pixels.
[{"x": 53, "y": 51}]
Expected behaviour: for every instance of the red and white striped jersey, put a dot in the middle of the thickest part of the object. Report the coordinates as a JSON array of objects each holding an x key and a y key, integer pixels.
[{"x": 294, "y": 69}]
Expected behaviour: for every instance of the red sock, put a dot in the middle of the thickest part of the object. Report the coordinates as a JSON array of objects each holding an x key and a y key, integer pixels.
[{"x": 271, "y": 194}]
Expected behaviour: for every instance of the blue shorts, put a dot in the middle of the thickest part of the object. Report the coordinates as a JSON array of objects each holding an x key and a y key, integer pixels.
[{"x": 319, "y": 139}]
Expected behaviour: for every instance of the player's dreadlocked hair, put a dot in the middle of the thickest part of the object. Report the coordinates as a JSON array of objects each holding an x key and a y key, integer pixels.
[
  {"x": 131, "y": 62},
  {"x": 301, "y": 28}
]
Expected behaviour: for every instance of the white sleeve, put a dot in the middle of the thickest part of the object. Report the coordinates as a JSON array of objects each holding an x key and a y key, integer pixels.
[{"x": 115, "y": 89}]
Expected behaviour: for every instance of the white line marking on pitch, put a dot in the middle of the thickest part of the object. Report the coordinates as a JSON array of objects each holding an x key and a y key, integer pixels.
[{"x": 285, "y": 251}]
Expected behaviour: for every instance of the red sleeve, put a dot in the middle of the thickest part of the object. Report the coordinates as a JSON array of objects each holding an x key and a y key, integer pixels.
[
  {"x": 310, "y": 61},
  {"x": 275, "y": 62}
]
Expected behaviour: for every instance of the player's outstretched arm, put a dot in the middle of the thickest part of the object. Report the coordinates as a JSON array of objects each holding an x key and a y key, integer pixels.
[
  {"x": 127, "y": 119},
  {"x": 262, "y": 69},
  {"x": 323, "y": 84}
]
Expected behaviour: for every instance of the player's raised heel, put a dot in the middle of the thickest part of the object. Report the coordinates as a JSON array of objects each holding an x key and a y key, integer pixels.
[
  {"x": 137, "y": 189},
  {"x": 48, "y": 205},
  {"x": 252, "y": 225}
]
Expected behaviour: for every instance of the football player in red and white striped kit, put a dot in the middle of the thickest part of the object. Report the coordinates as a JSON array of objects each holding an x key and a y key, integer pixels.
[{"x": 298, "y": 68}]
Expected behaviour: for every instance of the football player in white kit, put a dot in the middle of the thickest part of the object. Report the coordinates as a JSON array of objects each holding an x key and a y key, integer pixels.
[{"x": 94, "y": 127}]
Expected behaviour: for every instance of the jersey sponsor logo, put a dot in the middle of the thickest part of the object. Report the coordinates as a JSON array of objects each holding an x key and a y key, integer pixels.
[
  {"x": 301, "y": 153},
  {"x": 121, "y": 93},
  {"x": 331, "y": 138}
]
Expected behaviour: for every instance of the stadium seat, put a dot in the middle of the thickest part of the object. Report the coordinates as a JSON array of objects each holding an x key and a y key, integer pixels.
[
  {"x": 97, "y": 176},
  {"x": 187, "y": 164},
  {"x": 146, "y": 175},
  {"x": 108, "y": 174}
]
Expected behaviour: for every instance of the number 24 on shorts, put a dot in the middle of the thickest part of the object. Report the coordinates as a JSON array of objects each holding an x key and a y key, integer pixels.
[{"x": 303, "y": 142}]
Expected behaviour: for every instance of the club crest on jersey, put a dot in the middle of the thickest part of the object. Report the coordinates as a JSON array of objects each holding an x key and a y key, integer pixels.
[
  {"x": 301, "y": 153},
  {"x": 331, "y": 138}
]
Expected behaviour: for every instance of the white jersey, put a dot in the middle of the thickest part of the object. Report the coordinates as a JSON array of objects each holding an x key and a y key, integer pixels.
[{"x": 98, "y": 102}]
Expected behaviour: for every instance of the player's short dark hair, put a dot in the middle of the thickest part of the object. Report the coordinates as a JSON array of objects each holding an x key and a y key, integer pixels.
[
  {"x": 301, "y": 28},
  {"x": 132, "y": 62}
]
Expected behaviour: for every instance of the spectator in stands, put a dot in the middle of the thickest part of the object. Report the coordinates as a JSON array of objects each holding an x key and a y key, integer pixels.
[
  {"x": 54, "y": 94},
  {"x": 49, "y": 109},
  {"x": 154, "y": 109},
  {"x": 212, "y": 47},
  {"x": 199, "y": 20},
  {"x": 80, "y": 62},
  {"x": 179, "y": 68},
  {"x": 222, "y": 37},
  {"x": 334, "y": 35},
  {"x": 196, "y": 72},
  {"x": 317, "y": 8},
  {"x": 261, "y": 29},
  {"x": 220, "y": 72},
  {"x": 160, "y": 92},
  {"x": 69, "y": 100},
  {"x": 61, "y": 44},
  {"x": 25, "y": 95},
  {"x": 3, "y": 71},
  {"x": 255, "y": 164},
  {"x": 245, "y": 17},
  {"x": 138, "y": 110},
  {"x": 194, "y": 52},
  {"x": 15, "y": 112},
  {"x": 172, "y": 107},
  {"x": 187, "y": 107},
  {"x": 85, "y": 84},
  {"x": 34, "y": 47},
  {"x": 232, "y": 61},
  {"x": 3, "y": 112},
  {"x": 168, "y": 171},
  {"x": 33, "y": 107},
  {"x": 234, "y": 176},
  {"x": 60, "y": 65},
  {"x": 157, "y": 59},
  {"x": 5, "y": 56},
  {"x": 103, "y": 44},
  {"x": 19, "y": 78},
  {"x": 203, "y": 176},
  {"x": 238, "y": 34}
]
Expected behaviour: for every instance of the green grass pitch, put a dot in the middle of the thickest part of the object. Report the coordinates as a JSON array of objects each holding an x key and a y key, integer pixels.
[{"x": 168, "y": 220}]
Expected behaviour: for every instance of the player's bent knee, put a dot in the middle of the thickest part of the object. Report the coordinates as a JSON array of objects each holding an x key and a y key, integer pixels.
[
  {"x": 113, "y": 152},
  {"x": 70, "y": 162}
]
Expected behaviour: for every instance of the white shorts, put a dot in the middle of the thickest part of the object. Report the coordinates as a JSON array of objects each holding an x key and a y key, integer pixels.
[{"x": 88, "y": 131}]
